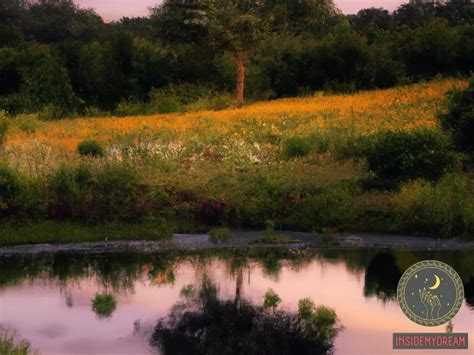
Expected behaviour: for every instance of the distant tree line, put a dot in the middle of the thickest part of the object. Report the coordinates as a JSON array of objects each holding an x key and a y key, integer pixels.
[{"x": 61, "y": 59}]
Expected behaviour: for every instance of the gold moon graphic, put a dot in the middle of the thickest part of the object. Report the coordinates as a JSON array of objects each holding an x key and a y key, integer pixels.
[{"x": 437, "y": 283}]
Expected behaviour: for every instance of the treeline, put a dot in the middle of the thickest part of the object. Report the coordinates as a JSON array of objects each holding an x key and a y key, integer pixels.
[{"x": 59, "y": 59}]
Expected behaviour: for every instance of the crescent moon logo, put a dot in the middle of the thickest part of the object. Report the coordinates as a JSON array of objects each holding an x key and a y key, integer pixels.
[
  {"x": 437, "y": 283},
  {"x": 435, "y": 305}
]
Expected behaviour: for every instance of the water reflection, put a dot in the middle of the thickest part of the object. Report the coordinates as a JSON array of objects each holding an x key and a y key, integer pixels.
[
  {"x": 202, "y": 323},
  {"x": 47, "y": 298},
  {"x": 381, "y": 277}
]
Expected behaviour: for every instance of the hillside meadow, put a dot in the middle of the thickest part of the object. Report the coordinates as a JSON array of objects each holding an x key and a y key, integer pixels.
[{"x": 298, "y": 162}]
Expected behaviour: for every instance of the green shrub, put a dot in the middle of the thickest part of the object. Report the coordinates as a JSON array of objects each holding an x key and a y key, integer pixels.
[
  {"x": 214, "y": 103},
  {"x": 64, "y": 193},
  {"x": 271, "y": 300},
  {"x": 162, "y": 101},
  {"x": 319, "y": 322},
  {"x": 460, "y": 119},
  {"x": 296, "y": 146},
  {"x": 9, "y": 345},
  {"x": 108, "y": 193},
  {"x": 90, "y": 148},
  {"x": 116, "y": 191},
  {"x": 131, "y": 108},
  {"x": 187, "y": 97},
  {"x": 28, "y": 123},
  {"x": 332, "y": 208},
  {"x": 269, "y": 228},
  {"x": 93, "y": 111},
  {"x": 9, "y": 189},
  {"x": 398, "y": 156},
  {"x": 31, "y": 201},
  {"x": 220, "y": 235},
  {"x": 104, "y": 305},
  {"x": 440, "y": 209}
]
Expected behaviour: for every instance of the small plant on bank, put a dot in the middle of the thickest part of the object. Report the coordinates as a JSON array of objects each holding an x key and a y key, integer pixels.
[
  {"x": 271, "y": 238},
  {"x": 90, "y": 148},
  {"x": 220, "y": 235},
  {"x": 269, "y": 228},
  {"x": 104, "y": 305}
]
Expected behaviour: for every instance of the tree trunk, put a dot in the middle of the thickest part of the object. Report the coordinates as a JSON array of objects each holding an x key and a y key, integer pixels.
[
  {"x": 238, "y": 287},
  {"x": 239, "y": 84}
]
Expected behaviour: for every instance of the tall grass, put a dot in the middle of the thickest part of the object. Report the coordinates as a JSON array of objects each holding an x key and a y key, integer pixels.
[{"x": 10, "y": 345}]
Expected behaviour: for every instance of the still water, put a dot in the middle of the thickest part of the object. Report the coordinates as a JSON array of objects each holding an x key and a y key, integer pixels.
[{"x": 47, "y": 299}]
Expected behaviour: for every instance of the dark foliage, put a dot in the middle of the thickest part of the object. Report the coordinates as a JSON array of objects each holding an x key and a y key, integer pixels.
[
  {"x": 90, "y": 148},
  {"x": 212, "y": 326},
  {"x": 60, "y": 59},
  {"x": 460, "y": 119},
  {"x": 402, "y": 155}
]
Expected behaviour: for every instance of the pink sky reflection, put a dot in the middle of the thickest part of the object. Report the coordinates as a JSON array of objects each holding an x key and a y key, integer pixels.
[{"x": 38, "y": 311}]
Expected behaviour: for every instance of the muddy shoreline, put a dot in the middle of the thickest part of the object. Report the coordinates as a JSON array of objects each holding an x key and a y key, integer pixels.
[{"x": 241, "y": 240}]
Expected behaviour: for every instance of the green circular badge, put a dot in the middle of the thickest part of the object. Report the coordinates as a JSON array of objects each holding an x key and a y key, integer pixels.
[{"x": 430, "y": 293}]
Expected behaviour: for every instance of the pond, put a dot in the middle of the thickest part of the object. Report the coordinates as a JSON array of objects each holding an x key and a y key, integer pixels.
[{"x": 49, "y": 298}]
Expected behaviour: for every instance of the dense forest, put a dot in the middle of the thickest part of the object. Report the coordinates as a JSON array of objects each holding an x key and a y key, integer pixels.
[{"x": 62, "y": 60}]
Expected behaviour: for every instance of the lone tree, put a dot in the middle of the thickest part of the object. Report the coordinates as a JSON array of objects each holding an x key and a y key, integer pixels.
[
  {"x": 236, "y": 27},
  {"x": 224, "y": 25}
]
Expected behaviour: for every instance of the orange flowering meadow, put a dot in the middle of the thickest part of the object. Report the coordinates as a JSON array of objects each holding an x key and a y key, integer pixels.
[{"x": 252, "y": 133}]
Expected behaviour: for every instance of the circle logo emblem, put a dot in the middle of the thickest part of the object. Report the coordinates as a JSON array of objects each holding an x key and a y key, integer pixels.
[{"x": 430, "y": 293}]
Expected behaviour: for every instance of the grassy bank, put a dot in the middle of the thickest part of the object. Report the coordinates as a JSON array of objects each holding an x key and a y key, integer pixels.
[
  {"x": 313, "y": 164},
  {"x": 73, "y": 232}
]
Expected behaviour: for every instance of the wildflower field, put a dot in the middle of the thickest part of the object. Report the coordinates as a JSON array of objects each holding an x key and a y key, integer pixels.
[{"x": 294, "y": 161}]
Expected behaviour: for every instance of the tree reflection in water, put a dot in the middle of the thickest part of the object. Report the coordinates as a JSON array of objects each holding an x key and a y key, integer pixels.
[
  {"x": 382, "y": 276},
  {"x": 469, "y": 292},
  {"x": 201, "y": 323},
  {"x": 118, "y": 273}
]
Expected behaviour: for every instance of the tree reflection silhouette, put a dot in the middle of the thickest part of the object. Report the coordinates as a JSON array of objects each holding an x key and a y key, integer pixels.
[
  {"x": 382, "y": 276},
  {"x": 469, "y": 292},
  {"x": 201, "y": 323}
]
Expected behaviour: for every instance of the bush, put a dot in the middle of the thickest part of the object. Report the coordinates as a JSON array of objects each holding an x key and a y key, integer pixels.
[
  {"x": 116, "y": 192},
  {"x": 131, "y": 108},
  {"x": 214, "y": 103},
  {"x": 90, "y": 148},
  {"x": 187, "y": 97},
  {"x": 296, "y": 146},
  {"x": 201, "y": 323},
  {"x": 64, "y": 193},
  {"x": 104, "y": 305},
  {"x": 28, "y": 123},
  {"x": 332, "y": 208},
  {"x": 110, "y": 193},
  {"x": 271, "y": 299},
  {"x": 220, "y": 235},
  {"x": 9, "y": 189},
  {"x": 438, "y": 209},
  {"x": 10, "y": 345},
  {"x": 398, "y": 156},
  {"x": 460, "y": 119},
  {"x": 162, "y": 101}
]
